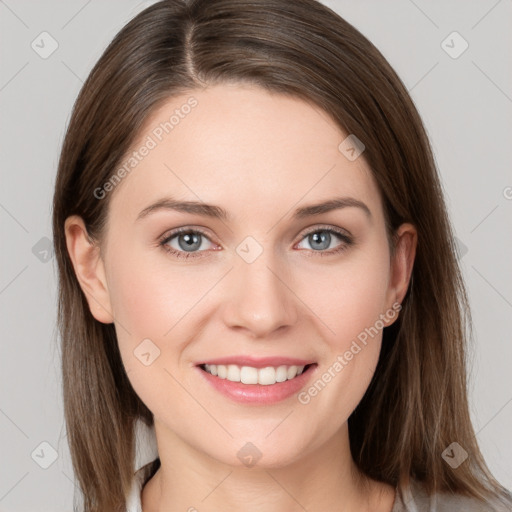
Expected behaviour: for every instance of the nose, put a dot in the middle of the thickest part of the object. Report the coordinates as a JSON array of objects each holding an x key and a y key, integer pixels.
[{"x": 260, "y": 300}]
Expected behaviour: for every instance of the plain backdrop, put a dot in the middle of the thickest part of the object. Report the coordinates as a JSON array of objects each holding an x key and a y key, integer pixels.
[{"x": 463, "y": 94}]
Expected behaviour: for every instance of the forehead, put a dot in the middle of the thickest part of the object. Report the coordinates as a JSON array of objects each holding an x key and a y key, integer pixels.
[{"x": 242, "y": 147}]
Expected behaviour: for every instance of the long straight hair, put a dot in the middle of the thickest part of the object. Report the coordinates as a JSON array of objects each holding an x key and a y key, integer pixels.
[{"x": 416, "y": 404}]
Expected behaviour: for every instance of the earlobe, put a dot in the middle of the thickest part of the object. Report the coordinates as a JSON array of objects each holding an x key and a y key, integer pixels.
[
  {"x": 402, "y": 264},
  {"x": 89, "y": 268}
]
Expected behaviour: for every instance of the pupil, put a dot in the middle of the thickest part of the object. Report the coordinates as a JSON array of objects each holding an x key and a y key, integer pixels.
[
  {"x": 322, "y": 237},
  {"x": 191, "y": 241}
]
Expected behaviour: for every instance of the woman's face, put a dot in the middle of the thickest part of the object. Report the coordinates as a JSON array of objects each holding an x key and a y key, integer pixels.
[{"x": 258, "y": 283}]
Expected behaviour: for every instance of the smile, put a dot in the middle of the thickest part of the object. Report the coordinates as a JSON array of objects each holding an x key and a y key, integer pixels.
[
  {"x": 257, "y": 381},
  {"x": 250, "y": 375}
]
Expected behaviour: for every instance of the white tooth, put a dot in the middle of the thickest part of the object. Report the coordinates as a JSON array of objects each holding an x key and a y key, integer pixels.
[
  {"x": 267, "y": 376},
  {"x": 249, "y": 375},
  {"x": 233, "y": 373},
  {"x": 281, "y": 374},
  {"x": 292, "y": 372}
]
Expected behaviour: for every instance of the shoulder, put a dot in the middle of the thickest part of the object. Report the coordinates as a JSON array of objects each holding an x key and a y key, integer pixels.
[{"x": 415, "y": 499}]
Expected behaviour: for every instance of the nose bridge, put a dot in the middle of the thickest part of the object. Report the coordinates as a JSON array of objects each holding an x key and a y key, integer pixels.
[{"x": 260, "y": 301}]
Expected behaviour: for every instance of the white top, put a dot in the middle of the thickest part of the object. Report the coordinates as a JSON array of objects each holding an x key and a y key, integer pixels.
[
  {"x": 411, "y": 499},
  {"x": 133, "y": 503}
]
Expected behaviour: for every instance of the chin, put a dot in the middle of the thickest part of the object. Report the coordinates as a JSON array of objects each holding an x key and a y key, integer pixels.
[{"x": 253, "y": 451}]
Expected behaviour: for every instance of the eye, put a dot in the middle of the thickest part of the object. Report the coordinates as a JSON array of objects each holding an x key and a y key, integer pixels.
[
  {"x": 185, "y": 242},
  {"x": 322, "y": 239}
]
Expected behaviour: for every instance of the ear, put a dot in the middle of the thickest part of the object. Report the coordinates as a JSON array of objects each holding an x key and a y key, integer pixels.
[
  {"x": 89, "y": 268},
  {"x": 401, "y": 266}
]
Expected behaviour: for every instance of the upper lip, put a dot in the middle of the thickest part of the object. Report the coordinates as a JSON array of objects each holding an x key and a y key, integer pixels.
[{"x": 257, "y": 362}]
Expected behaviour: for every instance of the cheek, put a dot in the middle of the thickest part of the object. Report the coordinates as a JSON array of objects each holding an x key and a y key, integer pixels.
[
  {"x": 141, "y": 307},
  {"x": 154, "y": 307},
  {"x": 146, "y": 299},
  {"x": 349, "y": 300},
  {"x": 348, "y": 297},
  {"x": 147, "y": 307}
]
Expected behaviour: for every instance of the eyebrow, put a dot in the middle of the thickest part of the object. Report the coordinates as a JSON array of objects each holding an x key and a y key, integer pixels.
[{"x": 217, "y": 212}]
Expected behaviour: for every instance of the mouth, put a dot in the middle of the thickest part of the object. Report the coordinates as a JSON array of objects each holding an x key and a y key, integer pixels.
[
  {"x": 250, "y": 375},
  {"x": 251, "y": 381}
]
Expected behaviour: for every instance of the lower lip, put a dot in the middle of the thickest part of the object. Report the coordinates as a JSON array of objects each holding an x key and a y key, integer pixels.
[{"x": 257, "y": 393}]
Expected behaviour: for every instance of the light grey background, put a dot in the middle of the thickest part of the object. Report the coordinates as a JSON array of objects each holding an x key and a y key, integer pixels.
[{"x": 465, "y": 102}]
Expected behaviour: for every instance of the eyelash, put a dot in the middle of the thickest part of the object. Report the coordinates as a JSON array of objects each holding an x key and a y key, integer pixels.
[{"x": 348, "y": 241}]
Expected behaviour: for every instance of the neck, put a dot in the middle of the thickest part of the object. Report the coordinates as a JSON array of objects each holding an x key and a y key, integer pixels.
[{"x": 326, "y": 479}]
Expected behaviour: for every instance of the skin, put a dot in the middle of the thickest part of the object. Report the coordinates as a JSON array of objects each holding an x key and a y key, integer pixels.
[{"x": 259, "y": 156}]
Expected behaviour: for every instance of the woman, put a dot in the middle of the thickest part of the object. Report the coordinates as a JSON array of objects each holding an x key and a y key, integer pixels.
[{"x": 255, "y": 259}]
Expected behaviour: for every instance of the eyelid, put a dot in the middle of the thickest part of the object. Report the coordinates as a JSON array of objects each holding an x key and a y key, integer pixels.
[
  {"x": 183, "y": 229},
  {"x": 319, "y": 227}
]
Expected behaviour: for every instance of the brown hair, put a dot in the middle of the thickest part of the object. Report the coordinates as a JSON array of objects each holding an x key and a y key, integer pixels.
[{"x": 416, "y": 404}]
